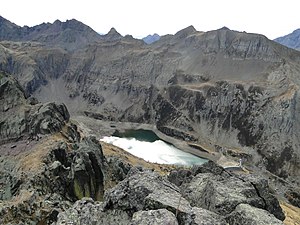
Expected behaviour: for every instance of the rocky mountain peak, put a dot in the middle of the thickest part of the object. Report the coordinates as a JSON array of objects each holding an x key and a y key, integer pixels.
[
  {"x": 59, "y": 26},
  {"x": 224, "y": 28},
  {"x": 185, "y": 32},
  {"x": 296, "y": 32},
  {"x": 6, "y": 22},
  {"x": 240, "y": 45},
  {"x": 8, "y": 30},
  {"x": 151, "y": 38},
  {"x": 75, "y": 24},
  {"x": 69, "y": 35},
  {"x": 2, "y": 20},
  {"x": 57, "y": 22},
  {"x": 113, "y": 35},
  {"x": 291, "y": 40},
  {"x": 112, "y": 31}
]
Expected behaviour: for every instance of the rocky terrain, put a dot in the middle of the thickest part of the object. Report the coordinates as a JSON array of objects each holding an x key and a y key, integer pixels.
[
  {"x": 291, "y": 40},
  {"x": 23, "y": 117},
  {"x": 45, "y": 163},
  {"x": 145, "y": 197},
  {"x": 227, "y": 93},
  {"x": 52, "y": 173}
]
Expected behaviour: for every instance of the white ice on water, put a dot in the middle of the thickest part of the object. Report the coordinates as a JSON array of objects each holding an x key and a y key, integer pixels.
[{"x": 155, "y": 152}]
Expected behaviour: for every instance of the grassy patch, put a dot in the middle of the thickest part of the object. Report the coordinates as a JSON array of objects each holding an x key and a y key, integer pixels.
[
  {"x": 32, "y": 155},
  {"x": 78, "y": 190},
  {"x": 292, "y": 214}
]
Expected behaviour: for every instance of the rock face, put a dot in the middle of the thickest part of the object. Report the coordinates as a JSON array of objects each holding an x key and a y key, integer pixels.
[
  {"x": 213, "y": 194},
  {"x": 87, "y": 170},
  {"x": 86, "y": 211},
  {"x": 145, "y": 190},
  {"x": 263, "y": 190},
  {"x": 9, "y": 30},
  {"x": 291, "y": 40},
  {"x": 208, "y": 187},
  {"x": 48, "y": 164},
  {"x": 293, "y": 196},
  {"x": 19, "y": 118},
  {"x": 47, "y": 118},
  {"x": 145, "y": 197},
  {"x": 201, "y": 216},
  {"x": 69, "y": 171},
  {"x": 246, "y": 214},
  {"x": 80, "y": 169},
  {"x": 159, "y": 217}
]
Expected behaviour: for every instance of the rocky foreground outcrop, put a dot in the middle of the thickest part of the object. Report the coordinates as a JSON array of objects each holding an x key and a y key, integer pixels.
[
  {"x": 22, "y": 116},
  {"x": 36, "y": 189},
  {"x": 45, "y": 164},
  {"x": 145, "y": 197}
]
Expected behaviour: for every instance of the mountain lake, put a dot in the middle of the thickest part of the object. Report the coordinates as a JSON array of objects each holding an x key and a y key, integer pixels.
[{"x": 147, "y": 145}]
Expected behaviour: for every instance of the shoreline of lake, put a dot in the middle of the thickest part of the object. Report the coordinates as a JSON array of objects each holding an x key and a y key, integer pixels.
[{"x": 102, "y": 128}]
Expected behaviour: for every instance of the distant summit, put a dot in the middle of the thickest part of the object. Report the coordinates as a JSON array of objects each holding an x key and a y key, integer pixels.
[
  {"x": 9, "y": 30},
  {"x": 224, "y": 28},
  {"x": 112, "y": 35},
  {"x": 151, "y": 38},
  {"x": 291, "y": 40},
  {"x": 69, "y": 35},
  {"x": 185, "y": 32}
]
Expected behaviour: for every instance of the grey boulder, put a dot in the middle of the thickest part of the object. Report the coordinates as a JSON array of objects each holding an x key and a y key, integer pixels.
[
  {"x": 88, "y": 212},
  {"x": 249, "y": 215},
  {"x": 146, "y": 190},
  {"x": 199, "y": 216},
  {"x": 220, "y": 195},
  {"x": 154, "y": 217}
]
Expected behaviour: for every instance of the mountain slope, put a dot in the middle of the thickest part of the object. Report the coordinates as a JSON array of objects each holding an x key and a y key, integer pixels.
[
  {"x": 291, "y": 40},
  {"x": 233, "y": 93},
  {"x": 9, "y": 30}
]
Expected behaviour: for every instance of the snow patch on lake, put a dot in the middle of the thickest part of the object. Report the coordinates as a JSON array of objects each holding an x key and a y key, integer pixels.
[{"x": 155, "y": 152}]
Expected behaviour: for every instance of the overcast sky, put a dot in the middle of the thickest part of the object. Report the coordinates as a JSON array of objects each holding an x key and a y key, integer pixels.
[{"x": 139, "y": 18}]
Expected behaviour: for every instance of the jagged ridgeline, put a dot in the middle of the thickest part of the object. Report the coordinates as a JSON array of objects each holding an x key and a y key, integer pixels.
[{"x": 231, "y": 93}]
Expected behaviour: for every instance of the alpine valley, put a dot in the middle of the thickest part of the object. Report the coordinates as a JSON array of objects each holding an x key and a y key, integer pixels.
[{"x": 224, "y": 95}]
